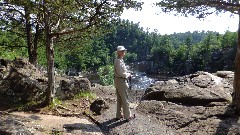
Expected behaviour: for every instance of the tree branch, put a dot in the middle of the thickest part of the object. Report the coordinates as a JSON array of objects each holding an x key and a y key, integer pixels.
[
  {"x": 13, "y": 46},
  {"x": 92, "y": 22}
]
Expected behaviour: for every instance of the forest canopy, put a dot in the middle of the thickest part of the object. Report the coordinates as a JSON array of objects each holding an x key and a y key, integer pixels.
[{"x": 168, "y": 53}]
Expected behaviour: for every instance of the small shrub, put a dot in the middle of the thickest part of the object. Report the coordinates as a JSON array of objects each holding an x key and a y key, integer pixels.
[
  {"x": 85, "y": 94},
  {"x": 55, "y": 103},
  {"x": 106, "y": 75}
]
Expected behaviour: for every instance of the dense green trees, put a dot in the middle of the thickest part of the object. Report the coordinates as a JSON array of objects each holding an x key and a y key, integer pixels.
[
  {"x": 11, "y": 45},
  {"x": 169, "y": 53},
  {"x": 177, "y": 54},
  {"x": 79, "y": 46}
]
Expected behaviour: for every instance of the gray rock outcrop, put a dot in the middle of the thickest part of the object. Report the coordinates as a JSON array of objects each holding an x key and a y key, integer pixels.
[
  {"x": 20, "y": 82},
  {"x": 194, "y": 104},
  {"x": 200, "y": 88},
  {"x": 71, "y": 86}
]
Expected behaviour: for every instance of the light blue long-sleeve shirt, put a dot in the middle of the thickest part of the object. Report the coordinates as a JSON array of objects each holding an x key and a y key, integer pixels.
[{"x": 120, "y": 69}]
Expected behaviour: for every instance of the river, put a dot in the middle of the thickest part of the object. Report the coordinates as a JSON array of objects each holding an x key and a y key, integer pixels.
[{"x": 139, "y": 81}]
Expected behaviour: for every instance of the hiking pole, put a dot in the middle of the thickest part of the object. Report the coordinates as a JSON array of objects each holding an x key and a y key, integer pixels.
[{"x": 130, "y": 82}]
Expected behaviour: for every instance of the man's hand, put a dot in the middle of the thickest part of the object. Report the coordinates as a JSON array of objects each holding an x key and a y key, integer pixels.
[
  {"x": 129, "y": 79},
  {"x": 129, "y": 75}
]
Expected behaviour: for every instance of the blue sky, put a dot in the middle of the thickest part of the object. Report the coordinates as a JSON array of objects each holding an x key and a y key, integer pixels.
[{"x": 150, "y": 17}]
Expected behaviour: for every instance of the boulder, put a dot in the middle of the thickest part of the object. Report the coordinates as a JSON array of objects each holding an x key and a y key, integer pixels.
[
  {"x": 20, "y": 81},
  {"x": 70, "y": 86},
  {"x": 200, "y": 88},
  {"x": 98, "y": 106}
]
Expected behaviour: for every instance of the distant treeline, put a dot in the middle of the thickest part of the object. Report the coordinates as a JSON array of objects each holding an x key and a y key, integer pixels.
[{"x": 175, "y": 54}]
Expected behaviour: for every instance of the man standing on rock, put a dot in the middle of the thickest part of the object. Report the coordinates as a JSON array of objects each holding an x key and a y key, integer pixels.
[{"x": 120, "y": 81}]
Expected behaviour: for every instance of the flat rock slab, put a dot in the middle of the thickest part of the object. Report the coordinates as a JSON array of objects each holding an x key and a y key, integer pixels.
[
  {"x": 141, "y": 125},
  {"x": 218, "y": 119}
]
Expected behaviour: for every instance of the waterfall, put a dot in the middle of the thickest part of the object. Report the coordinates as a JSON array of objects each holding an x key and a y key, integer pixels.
[{"x": 140, "y": 80}]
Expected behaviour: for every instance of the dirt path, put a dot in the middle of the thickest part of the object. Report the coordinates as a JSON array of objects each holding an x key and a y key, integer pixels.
[{"x": 48, "y": 124}]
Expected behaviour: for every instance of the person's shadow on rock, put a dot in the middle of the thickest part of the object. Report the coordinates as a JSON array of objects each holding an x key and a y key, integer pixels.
[{"x": 112, "y": 123}]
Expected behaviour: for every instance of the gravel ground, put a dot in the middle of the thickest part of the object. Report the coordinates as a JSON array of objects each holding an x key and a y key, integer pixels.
[{"x": 143, "y": 124}]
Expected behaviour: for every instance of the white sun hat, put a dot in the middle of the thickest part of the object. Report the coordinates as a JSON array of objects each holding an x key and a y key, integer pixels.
[{"x": 121, "y": 48}]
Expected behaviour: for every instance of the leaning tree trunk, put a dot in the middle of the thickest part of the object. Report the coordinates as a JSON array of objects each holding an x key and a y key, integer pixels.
[{"x": 236, "y": 83}]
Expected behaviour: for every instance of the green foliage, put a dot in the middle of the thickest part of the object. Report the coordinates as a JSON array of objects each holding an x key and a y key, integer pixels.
[
  {"x": 85, "y": 55},
  {"x": 8, "y": 54},
  {"x": 85, "y": 94},
  {"x": 89, "y": 32},
  {"x": 200, "y": 8},
  {"x": 11, "y": 46},
  {"x": 69, "y": 21},
  {"x": 168, "y": 52},
  {"x": 131, "y": 57},
  {"x": 12, "y": 54},
  {"x": 55, "y": 102},
  {"x": 20, "y": 106},
  {"x": 229, "y": 39},
  {"x": 106, "y": 74}
]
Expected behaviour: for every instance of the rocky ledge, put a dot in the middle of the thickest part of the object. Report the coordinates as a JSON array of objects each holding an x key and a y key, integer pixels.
[{"x": 195, "y": 104}]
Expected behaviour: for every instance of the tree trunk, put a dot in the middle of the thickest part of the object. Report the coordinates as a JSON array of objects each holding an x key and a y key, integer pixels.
[
  {"x": 50, "y": 60},
  {"x": 35, "y": 46},
  {"x": 32, "y": 48},
  {"x": 236, "y": 82},
  {"x": 50, "y": 68},
  {"x": 28, "y": 32}
]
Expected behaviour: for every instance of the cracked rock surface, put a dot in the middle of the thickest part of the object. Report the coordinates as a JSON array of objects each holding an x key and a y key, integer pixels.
[{"x": 195, "y": 104}]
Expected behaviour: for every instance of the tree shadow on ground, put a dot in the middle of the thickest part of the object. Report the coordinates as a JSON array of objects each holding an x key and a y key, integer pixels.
[
  {"x": 12, "y": 107},
  {"x": 229, "y": 124}
]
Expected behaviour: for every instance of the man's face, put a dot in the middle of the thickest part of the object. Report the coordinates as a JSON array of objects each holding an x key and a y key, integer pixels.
[{"x": 122, "y": 53}]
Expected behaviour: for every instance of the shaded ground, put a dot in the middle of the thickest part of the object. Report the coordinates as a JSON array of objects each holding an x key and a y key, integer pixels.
[
  {"x": 141, "y": 125},
  {"x": 150, "y": 118}
]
